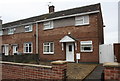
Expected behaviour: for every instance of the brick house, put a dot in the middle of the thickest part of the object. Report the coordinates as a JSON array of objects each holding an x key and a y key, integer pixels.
[{"x": 63, "y": 35}]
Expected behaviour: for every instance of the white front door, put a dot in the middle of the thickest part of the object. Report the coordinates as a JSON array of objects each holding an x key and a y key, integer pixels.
[
  {"x": 70, "y": 52},
  {"x": 6, "y": 50},
  {"x": 15, "y": 49}
]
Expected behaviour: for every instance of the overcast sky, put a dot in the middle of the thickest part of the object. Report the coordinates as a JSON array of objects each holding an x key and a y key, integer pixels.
[{"x": 12, "y": 10}]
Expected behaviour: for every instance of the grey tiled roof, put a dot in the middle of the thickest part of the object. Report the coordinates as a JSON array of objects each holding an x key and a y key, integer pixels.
[{"x": 77, "y": 10}]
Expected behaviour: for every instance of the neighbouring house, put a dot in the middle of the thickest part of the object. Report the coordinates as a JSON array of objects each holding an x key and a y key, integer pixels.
[
  {"x": 119, "y": 22},
  {"x": 64, "y": 35}
]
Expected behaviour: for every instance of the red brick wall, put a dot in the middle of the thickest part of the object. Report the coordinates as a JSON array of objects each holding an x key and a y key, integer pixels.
[
  {"x": 21, "y": 71},
  {"x": 20, "y": 39},
  {"x": 117, "y": 51},
  {"x": 86, "y": 33},
  {"x": 112, "y": 73}
]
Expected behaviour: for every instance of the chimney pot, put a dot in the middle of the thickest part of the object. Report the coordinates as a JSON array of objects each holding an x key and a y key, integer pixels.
[{"x": 51, "y": 9}]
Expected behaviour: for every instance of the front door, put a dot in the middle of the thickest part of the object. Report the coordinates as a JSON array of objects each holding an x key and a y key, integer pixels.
[{"x": 70, "y": 52}]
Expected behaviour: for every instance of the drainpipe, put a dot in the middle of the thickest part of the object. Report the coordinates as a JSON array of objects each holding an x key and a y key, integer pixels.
[{"x": 36, "y": 38}]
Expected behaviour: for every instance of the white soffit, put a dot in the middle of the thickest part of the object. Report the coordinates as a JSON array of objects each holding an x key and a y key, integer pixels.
[{"x": 67, "y": 39}]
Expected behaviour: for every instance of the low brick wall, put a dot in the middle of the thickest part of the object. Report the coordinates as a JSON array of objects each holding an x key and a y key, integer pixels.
[
  {"x": 12, "y": 70},
  {"x": 112, "y": 72}
]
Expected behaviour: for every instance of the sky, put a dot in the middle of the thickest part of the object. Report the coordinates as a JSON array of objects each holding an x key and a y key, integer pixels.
[{"x": 12, "y": 10}]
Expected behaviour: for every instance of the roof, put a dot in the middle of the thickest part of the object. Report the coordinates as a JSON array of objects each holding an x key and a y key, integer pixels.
[{"x": 77, "y": 10}]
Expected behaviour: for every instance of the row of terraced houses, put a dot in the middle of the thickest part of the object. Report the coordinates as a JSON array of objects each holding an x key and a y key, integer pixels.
[{"x": 64, "y": 35}]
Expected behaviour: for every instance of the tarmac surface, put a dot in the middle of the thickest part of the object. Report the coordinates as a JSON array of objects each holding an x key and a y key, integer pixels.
[{"x": 96, "y": 74}]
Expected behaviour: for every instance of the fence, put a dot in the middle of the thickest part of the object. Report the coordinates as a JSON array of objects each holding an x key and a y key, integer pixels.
[
  {"x": 19, "y": 71},
  {"x": 117, "y": 51},
  {"x": 26, "y": 58}
]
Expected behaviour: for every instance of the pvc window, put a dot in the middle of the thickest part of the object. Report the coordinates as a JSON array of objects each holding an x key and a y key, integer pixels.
[
  {"x": 48, "y": 25},
  {"x": 28, "y": 28},
  {"x": 86, "y": 46},
  {"x": 11, "y": 30},
  {"x": 48, "y": 48},
  {"x": 28, "y": 47},
  {"x": 1, "y": 32},
  {"x": 82, "y": 20}
]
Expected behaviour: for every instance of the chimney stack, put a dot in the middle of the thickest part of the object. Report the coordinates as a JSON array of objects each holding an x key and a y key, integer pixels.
[{"x": 51, "y": 9}]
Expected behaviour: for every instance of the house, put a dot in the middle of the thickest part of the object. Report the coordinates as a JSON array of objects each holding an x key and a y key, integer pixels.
[{"x": 72, "y": 35}]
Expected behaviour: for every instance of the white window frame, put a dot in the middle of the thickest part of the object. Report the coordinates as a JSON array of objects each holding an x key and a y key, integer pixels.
[
  {"x": 24, "y": 47},
  {"x": 48, "y": 25},
  {"x": 86, "y": 44},
  {"x": 29, "y": 27},
  {"x": 1, "y": 32},
  {"x": 81, "y": 18},
  {"x": 11, "y": 31},
  {"x": 49, "y": 52}
]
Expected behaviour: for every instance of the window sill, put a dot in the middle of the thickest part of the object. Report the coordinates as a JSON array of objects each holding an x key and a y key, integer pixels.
[
  {"x": 28, "y": 31},
  {"x": 48, "y": 29},
  {"x": 48, "y": 53},
  {"x": 82, "y": 25},
  {"x": 86, "y": 51},
  {"x": 11, "y": 34}
]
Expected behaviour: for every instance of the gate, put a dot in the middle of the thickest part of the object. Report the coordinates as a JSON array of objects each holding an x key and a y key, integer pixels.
[{"x": 106, "y": 53}]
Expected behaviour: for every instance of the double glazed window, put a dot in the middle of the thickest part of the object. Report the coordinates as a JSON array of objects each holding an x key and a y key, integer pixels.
[
  {"x": 1, "y": 32},
  {"x": 11, "y": 30},
  {"x": 28, "y": 28},
  {"x": 82, "y": 20},
  {"x": 28, "y": 47},
  {"x": 86, "y": 46},
  {"x": 48, "y": 25},
  {"x": 48, "y": 48}
]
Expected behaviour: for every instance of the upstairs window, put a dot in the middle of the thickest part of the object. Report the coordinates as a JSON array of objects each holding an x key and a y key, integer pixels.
[
  {"x": 28, "y": 47},
  {"x": 1, "y": 32},
  {"x": 11, "y": 30},
  {"x": 48, "y": 48},
  {"x": 28, "y": 28},
  {"x": 86, "y": 46},
  {"x": 82, "y": 20},
  {"x": 48, "y": 25}
]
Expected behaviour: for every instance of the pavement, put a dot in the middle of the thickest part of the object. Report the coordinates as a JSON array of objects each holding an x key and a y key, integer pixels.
[{"x": 96, "y": 74}]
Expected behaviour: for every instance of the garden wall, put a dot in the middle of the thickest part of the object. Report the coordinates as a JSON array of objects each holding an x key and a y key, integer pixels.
[
  {"x": 19, "y": 71},
  {"x": 112, "y": 72}
]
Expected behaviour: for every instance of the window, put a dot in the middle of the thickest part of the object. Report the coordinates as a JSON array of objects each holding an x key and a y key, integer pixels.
[
  {"x": 82, "y": 20},
  {"x": 70, "y": 48},
  {"x": 28, "y": 47},
  {"x": 11, "y": 30},
  {"x": 48, "y": 48},
  {"x": 86, "y": 46},
  {"x": 28, "y": 28},
  {"x": 48, "y": 25},
  {"x": 1, "y": 32}
]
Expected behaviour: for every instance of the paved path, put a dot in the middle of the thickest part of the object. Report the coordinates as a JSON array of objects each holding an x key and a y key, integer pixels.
[{"x": 96, "y": 75}]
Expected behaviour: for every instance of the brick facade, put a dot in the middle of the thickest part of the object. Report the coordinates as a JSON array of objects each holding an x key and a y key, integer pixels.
[
  {"x": 112, "y": 72},
  {"x": 81, "y": 33},
  {"x": 62, "y": 27},
  {"x": 36, "y": 72}
]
